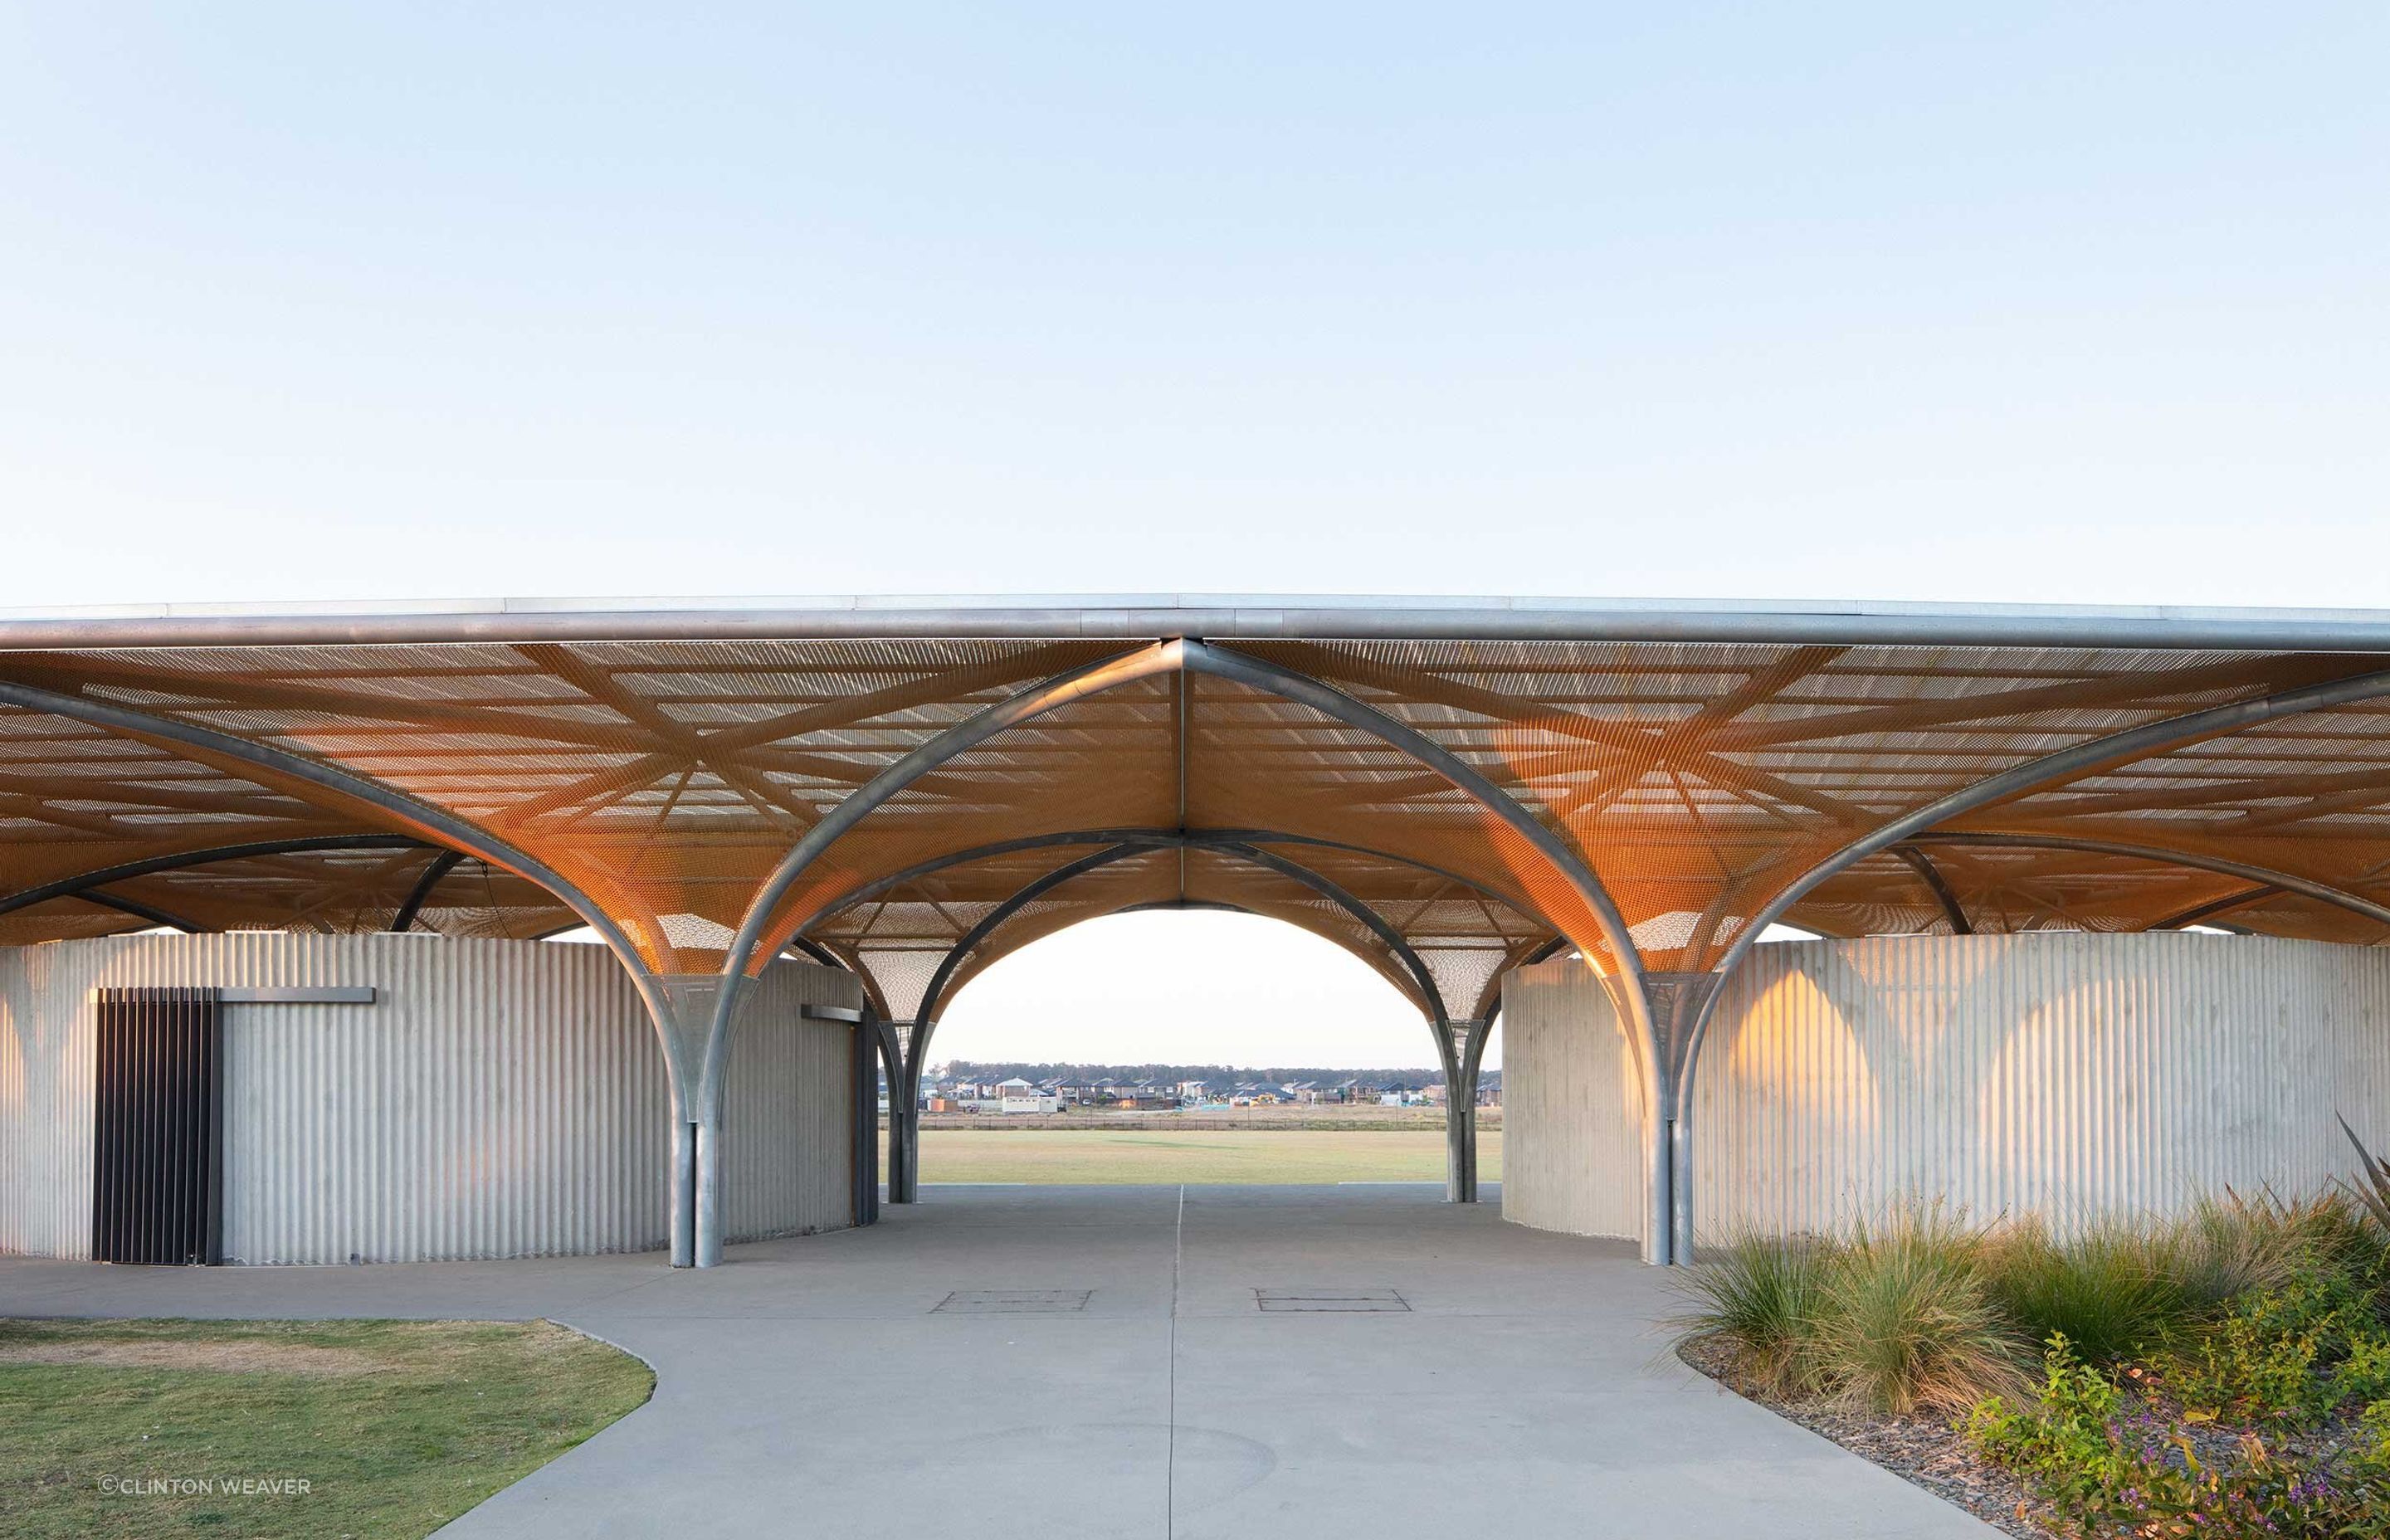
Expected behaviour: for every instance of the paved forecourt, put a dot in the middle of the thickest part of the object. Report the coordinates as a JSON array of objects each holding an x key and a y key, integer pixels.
[{"x": 1205, "y": 1362}]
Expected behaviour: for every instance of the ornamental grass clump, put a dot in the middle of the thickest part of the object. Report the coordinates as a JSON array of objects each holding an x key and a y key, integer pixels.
[
  {"x": 1905, "y": 1324},
  {"x": 2224, "y": 1374},
  {"x": 2229, "y": 1244},
  {"x": 2111, "y": 1291},
  {"x": 1762, "y": 1296}
]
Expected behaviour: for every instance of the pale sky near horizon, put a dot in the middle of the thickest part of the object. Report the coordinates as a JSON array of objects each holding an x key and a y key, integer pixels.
[{"x": 2047, "y": 302}]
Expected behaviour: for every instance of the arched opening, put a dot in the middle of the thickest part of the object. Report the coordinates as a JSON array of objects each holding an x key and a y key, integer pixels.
[{"x": 1187, "y": 1046}]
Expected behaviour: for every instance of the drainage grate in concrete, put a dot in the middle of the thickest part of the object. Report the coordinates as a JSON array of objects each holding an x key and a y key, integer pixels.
[
  {"x": 1012, "y": 1302},
  {"x": 1323, "y": 1299}
]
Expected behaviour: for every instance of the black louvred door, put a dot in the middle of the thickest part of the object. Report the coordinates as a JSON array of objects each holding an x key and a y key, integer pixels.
[{"x": 157, "y": 1188}]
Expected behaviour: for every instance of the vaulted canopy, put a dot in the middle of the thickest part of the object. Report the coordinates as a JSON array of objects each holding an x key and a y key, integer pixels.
[{"x": 1446, "y": 788}]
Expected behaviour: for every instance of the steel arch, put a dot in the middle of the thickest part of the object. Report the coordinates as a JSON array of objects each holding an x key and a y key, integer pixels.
[
  {"x": 2151, "y": 738},
  {"x": 70, "y": 887},
  {"x": 2322, "y": 892},
  {"x": 1179, "y": 655},
  {"x": 388, "y": 803}
]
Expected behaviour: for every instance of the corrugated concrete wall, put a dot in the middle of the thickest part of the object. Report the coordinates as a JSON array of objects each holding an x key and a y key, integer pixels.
[
  {"x": 47, "y": 1062},
  {"x": 788, "y": 1121},
  {"x": 2070, "y": 1074},
  {"x": 501, "y": 1099},
  {"x": 1572, "y": 1106}
]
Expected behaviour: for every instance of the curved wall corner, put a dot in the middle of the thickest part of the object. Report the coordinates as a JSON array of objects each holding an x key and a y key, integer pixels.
[
  {"x": 2070, "y": 1074},
  {"x": 1572, "y": 1106},
  {"x": 498, "y": 1098}
]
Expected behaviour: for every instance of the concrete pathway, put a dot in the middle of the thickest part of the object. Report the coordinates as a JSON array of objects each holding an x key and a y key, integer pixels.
[{"x": 816, "y": 1387}]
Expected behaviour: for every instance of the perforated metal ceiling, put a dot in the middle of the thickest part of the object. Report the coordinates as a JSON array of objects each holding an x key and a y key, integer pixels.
[{"x": 665, "y": 777}]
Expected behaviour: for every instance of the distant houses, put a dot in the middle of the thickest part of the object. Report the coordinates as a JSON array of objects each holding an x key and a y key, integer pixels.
[
  {"x": 1017, "y": 1096},
  {"x": 1084, "y": 1088}
]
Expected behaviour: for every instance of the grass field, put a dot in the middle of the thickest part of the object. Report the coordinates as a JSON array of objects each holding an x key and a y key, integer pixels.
[
  {"x": 1125, "y": 1157},
  {"x": 395, "y": 1427}
]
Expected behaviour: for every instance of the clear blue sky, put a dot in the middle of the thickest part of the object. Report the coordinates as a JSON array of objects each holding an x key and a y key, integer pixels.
[{"x": 2043, "y": 303}]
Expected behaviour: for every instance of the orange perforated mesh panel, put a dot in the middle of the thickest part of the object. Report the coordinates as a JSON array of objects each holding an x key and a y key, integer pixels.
[
  {"x": 1701, "y": 780},
  {"x": 76, "y": 799},
  {"x": 66, "y": 919},
  {"x": 665, "y": 779}
]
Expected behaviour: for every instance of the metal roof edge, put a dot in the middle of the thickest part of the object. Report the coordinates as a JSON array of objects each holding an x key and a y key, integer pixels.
[{"x": 1226, "y": 616}]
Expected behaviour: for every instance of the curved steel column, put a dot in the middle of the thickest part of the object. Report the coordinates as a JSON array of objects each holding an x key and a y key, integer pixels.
[
  {"x": 1626, "y": 986},
  {"x": 2198, "y": 913},
  {"x": 904, "y": 1112},
  {"x": 2322, "y": 892},
  {"x": 960, "y": 739},
  {"x": 933, "y": 999},
  {"x": 1461, "y": 1058},
  {"x": 1186, "y": 654},
  {"x": 2153, "y": 737},
  {"x": 748, "y": 942},
  {"x": 70, "y": 887},
  {"x": 865, "y": 891},
  {"x": 1430, "y": 996},
  {"x": 140, "y": 910},
  {"x": 442, "y": 865},
  {"x": 1930, "y": 875},
  {"x": 1028, "y": 893},
  {"x": 1461, "y": 1046}
]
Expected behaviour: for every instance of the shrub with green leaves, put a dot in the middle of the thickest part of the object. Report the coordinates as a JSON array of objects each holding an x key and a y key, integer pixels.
[
  {"x": 2111, "y": 1462},
  {"x": 2297, "y": 1352},
  {"x": 2067, "y": 1439}
]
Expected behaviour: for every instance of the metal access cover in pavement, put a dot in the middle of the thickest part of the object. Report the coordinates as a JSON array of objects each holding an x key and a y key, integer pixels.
[
  {"x": 1012, "y": 1302},
  {"x": 1325, "y": 1299}
]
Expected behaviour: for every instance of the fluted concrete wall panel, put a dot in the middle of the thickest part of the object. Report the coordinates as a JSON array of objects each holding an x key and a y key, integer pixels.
[
  {"x": 1573, "y": 1106},
  {"x": 2072, "y": 1075},
  {"x": 499, "y": 1099},
  {"x": 788, "y": 1139},
  {"x": 48, "y": 1060}
]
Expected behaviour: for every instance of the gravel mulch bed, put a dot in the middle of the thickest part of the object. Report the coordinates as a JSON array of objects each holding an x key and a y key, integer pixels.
[{"x": 1918, "y": 1450}]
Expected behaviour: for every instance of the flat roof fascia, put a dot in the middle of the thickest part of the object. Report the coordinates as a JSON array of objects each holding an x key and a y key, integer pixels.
[{"x": 1220, "y": 617}]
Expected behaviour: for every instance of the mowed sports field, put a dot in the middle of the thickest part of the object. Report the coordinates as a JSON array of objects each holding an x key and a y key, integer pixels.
[{"x": 1129, "y": 1157}]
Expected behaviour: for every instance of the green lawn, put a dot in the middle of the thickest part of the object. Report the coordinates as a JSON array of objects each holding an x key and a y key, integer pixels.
[
  {"x": 396, "y": 1427},
  {"x": 1124, "y": 1156}
]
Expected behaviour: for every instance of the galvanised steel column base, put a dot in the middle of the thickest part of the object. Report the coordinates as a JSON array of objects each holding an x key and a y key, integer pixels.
[
  {"x": 911, "y": 1039},
  {"x": 1678, "y": 1001},
  {"x": 689, "y": 1000},
  {"x": 1462, "y": 1047},
  {"x": 682, "y": 1191},
  {"x": 903, "y": 1150}
]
